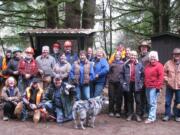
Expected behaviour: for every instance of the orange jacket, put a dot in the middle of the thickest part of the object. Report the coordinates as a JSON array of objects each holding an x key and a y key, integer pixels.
[
  {"x": 38, "y": 96},
  {"x": 4, "y": 67}
]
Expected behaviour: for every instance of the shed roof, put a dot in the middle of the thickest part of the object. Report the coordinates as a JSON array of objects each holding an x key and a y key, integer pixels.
[
  {"x": 58, "y": 31},
  {"x": 165, "y": 34}
]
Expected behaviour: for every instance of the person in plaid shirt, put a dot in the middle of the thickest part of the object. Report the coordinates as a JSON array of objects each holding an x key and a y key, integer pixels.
[{"x": 28, "y": 69}]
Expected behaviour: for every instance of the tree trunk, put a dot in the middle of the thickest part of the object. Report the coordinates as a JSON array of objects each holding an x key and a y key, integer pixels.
[
  {"x": 110, "y": 25},
  {"x": 155, "y": 13},
  {"x": 164, "y": 15},
  {"x": 161, "y": 16},
  {"x": 72, "y": 14},
  {"x": 104, "y": 26},
  {"x": 88, "y": 13},
  {"x": 51, "y": 14},
  {"x": 88, "y": 18}
]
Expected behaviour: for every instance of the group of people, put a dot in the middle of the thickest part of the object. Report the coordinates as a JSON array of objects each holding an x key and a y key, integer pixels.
[
  {"x": 138, "y": 79},
  {"x": 39, "y": 85}
]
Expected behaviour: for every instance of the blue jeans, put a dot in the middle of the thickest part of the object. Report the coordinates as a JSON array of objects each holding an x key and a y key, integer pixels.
[
  {"x": 152, "y": 95},
  {"x": 83, "y": 92},
  {"x": 168, "y": 99},
  {"x": 55, "y": 110},
  {"x": 98, "y": 89}
]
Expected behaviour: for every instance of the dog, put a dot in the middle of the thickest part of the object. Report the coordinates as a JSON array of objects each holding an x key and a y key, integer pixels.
[
  {"x": 69, "y": 88},
  {"x": 85, "y": 111}
]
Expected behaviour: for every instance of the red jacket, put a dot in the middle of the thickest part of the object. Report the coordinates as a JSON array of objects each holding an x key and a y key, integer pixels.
[
  {"x": 154, "y": 75},
  {"x": 25, "y": 67}
]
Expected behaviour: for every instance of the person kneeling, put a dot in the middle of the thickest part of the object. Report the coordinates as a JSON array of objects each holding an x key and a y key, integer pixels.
[
  {"x": 32, "y": 101},
  {"x": 11, "y": 97},
  {"x": 59, "y": 99}
]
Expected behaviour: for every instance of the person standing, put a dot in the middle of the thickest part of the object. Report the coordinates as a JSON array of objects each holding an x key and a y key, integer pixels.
[
  {"x": 154, "y": 74},
  {"x": 131, "y": 78},
  {"x": 62, "y": 68},
  {"x": 70, "y": 55},
  {"x": 101, "y": 69},
  {"x": 27, "y": 69},
  {"x": 81, "y": 74},
  {"x": 4, "y": 65},
  {"x": 90, "y": 55},
  {"x": 115, "y": 91},
  {"x": 12, "y": 67},
  {"x": 45, "y": 66},
  {"x": 144, "y": 48},
  {"x": 172, "y": 81},
  {"x": 56, "y": 50}
]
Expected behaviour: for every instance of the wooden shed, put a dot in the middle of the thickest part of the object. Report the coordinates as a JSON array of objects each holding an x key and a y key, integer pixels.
[
  {"x": 40, "y": 37},
  {"x": 164, "y": 44}
]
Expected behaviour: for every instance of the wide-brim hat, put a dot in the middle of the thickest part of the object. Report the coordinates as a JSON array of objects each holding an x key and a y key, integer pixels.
[
  {"x": 176, "y": 51},
  {"x": 144, "y": 43}
]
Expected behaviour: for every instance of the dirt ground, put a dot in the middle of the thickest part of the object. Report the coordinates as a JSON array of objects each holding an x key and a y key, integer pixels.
[{"x": 104, "y": 126}]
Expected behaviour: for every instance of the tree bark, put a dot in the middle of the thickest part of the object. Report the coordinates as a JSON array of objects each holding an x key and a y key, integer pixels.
[
  {"x": 88, "y": 14},
  {"x": 164, "y": 16},
  {"x": 72, "y": 14},
  {"x": 52, "y": 16},
  {"x": 160, "y": 16},
  {"x": 155, "y": 13}
]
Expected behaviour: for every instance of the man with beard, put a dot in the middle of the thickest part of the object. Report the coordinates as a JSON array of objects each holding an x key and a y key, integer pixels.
[
  {"x": 27, "y": 69},
  {"x": 45, "y": 66},
  {"x": 12, "y": 68},
  {"x": 71, "y": 57},
  {"x": 172, "y": 80},
  {"x": 58, "y": 102},
  {"x": 32, "y": 101},
  {"x": 56, "y": 50},
  {"x": 144, "y": 49}
]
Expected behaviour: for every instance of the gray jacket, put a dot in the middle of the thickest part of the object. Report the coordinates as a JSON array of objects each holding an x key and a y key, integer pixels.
[{"x": 46, "y": 64}]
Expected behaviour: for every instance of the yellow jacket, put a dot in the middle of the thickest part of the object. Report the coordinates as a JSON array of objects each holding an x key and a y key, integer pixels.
[{"x": 111, "y": 59}]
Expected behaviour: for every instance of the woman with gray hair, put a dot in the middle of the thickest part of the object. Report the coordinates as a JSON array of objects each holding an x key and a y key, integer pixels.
[{"x": 154, "y": 73}]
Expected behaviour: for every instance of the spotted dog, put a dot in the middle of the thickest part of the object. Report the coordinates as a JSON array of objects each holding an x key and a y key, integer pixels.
[
  {"x": 86, "y": 111},
  {"x": 95, "y": 107},
  {"x": 79, "y": 112}
]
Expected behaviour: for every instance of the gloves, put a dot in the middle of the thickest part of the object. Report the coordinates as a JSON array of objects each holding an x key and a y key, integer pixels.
[{"x": 33, "y": 106}]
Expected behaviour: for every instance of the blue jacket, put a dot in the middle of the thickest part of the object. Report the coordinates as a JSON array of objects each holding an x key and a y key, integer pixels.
[
  {"x": 71, "y": 57},
  {"x": 101, "y": 68},
  {"x": 125, "y": 76},
  {"x": 81, "y": 79}
]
